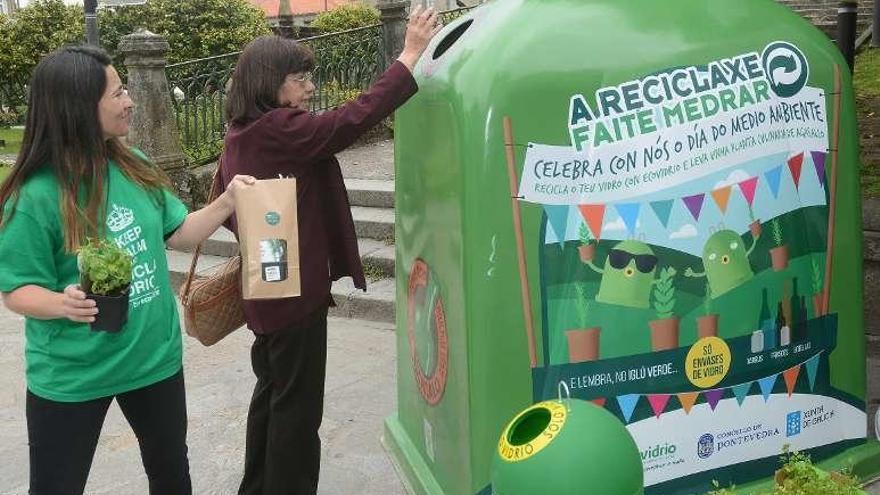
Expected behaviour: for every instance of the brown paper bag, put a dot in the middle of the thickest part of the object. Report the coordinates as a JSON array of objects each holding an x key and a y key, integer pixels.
[{"x": 268, "y": 236}]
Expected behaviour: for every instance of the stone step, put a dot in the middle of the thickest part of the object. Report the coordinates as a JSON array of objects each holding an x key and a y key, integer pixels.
[
  {"x": 377, "y": 304},
  {"x": 370, "y": 193},
  {"x": 377, "y": 256},
  {"x": 871, "y": 246},
  {"x": 179, "y": 263},
  {"x": 373, "y": 223}
]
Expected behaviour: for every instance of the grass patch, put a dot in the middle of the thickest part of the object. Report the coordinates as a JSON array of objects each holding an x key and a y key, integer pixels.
[
  {"x": 13, "y": 140},
  {"x": 866, "y": 81},
  {"x": 5, "y": 168},
  {"x": 372, "y": 272},
  {"x": 866, "y": 78}
]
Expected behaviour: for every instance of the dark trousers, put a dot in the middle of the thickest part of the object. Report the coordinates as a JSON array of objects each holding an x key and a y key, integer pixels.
[
  {"x": 283, "y": 450},
  {"x": 63, "y": 437}
]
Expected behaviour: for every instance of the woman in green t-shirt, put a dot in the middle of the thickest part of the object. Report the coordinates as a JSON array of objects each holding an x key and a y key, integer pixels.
[{"x": 73, "y": 180}]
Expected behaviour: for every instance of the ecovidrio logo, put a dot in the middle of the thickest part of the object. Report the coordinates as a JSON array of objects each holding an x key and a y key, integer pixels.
[{"x": 786, "y": 68}]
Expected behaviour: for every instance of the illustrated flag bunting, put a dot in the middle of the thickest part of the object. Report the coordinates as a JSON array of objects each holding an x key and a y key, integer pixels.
[
  {"x": 819, "y": 163},
  {"x": 627, "y": 405},
  {"x": 721, "y": 197},
  {"x": 629, "y": 212},
  {"x": 791, "y": 376},
  {"x": 767, "y": 385},
  {"x": 714, "y": 396},
  {"x": 694, "y": 204},
  {"x": 774, "y": 177},
  {"x": 558, "y": 216},
  {"x": 687, "y": 400},
  {"x": 812, "y": 368},
  {"x": 663, "y": 210},
  {"x": 748, "y": 188},
  {"x": 593, "y": 215},
  {"x": 741, "y": 391},
  {"x": 795, "y": 164},
  {"x": 658, "y": 403}
]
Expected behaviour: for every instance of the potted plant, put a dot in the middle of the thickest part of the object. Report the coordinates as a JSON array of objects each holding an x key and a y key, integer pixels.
[
  {"x": 105, "y": 276},
  {"x": 779, "y": 254},
  {"x": 664, "y": 330},
  {"x": 798, "y": 475},
  {"x": 583, "y": 342},
  {"x": 587, "y": 249},
  {"x": 755, "y": 225},
  {"x": 707, "y": 325},
  {"x": 818, "y": 290}
]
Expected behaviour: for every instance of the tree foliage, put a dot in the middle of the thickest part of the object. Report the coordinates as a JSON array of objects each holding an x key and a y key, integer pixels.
[
  {"x": 349, "y": 16},
  {"x": 37, "y": 29},
  {"x": 193, "y": 28}
]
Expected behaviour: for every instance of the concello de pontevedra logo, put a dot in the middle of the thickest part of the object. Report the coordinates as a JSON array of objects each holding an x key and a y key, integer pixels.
[{"x": 786, "y": 68}]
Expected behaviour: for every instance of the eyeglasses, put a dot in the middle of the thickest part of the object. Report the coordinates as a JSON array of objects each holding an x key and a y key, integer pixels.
[
  {"x": 619, "y": 259},
  {"x": 304, "y": 77}
]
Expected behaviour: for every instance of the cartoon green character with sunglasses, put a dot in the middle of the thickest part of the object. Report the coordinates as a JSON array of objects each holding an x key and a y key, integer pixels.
[
  {"x": 628, "y": 275},
  {"x": 726, "y": 262}
]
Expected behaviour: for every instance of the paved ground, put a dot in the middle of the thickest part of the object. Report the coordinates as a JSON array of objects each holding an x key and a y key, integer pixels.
[
  {"x": 371, "y": 161},
  {"x": 360, "y": 393}
]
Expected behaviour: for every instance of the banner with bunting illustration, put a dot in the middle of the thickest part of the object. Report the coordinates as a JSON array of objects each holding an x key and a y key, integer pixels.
[{"x": 685, "y": 281}]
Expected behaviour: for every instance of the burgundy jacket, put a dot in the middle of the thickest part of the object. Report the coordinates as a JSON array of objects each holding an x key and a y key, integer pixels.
[{"x": 294, "y": 142}]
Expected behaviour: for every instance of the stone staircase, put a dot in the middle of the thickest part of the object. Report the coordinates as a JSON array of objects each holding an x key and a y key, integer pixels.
[
  {"x": 823, "y": 13},
  {"x": 372, "y": 201}
]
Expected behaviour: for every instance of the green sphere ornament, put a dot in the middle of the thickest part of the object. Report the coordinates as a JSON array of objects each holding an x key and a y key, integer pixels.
[{"x": 566, "y": 447}]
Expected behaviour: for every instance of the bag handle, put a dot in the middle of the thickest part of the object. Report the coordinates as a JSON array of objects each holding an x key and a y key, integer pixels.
[{"x": 212, "y": 195}]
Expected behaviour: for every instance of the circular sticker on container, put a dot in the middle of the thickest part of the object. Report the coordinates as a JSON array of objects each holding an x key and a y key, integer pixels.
[
  {"x": 707, "y": 362},
  {"x": 520, "y": 441},
  {"x": 272, "y": 218},
  {"x": 426, "y": 330}
]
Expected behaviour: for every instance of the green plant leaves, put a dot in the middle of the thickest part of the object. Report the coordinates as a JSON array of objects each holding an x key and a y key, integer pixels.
[
  {"x": 664, "y": 293},
  {"x": 105, "y": 268}
]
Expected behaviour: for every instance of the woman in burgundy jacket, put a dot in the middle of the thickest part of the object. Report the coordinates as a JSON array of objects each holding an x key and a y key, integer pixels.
[{"x": 271, "y": 133}]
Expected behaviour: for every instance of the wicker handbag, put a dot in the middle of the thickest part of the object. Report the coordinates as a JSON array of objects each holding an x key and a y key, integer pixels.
[{"x": 212, "y": 306}]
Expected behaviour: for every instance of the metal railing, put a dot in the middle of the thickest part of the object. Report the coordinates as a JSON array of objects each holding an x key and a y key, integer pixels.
[
  {"x": 198, "y": 95},
  {"x": 348, "y": 61}
]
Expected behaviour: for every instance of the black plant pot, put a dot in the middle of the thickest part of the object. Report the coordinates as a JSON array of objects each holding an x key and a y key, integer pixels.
[{"x": 112, "y": 312}]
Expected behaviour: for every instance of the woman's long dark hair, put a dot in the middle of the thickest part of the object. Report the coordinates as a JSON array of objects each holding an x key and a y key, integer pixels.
[
  {"x": 259, "y": 74},
  {"x": 63, "y": 132}
]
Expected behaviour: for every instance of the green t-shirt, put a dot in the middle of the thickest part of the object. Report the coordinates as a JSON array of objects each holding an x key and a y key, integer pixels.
[{"x": 67, "y": 361}]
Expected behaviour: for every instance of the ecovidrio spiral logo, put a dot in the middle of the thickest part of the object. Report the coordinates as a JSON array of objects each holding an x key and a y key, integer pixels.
[{"x": 786, "y": 68}]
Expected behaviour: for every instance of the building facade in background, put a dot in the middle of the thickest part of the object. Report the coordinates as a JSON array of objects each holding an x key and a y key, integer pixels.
[{"x": 8, "y": 6}]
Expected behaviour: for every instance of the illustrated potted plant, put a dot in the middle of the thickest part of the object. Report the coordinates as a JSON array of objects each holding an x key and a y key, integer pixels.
[
  {"x": 707, "y": 325},
  {"x": 818, "y": 290},
  {"x": 583, "y": 342},
  {"x": 779, "y": 254},
  {"x": 587, "y": 249},
  {"x": 755, "y": 225},
  {"x": 664, "y": 330},
  {"x": 105, "y": 277}
]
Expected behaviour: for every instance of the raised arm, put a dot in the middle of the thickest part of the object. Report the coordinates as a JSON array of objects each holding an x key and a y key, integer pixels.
[{"x": 320, "y": 136}]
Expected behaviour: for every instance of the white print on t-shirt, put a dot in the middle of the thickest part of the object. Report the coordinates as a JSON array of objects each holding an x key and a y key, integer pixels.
[
  {"x": 144, "y": 286},
  {"x": 119, "y": 218}
]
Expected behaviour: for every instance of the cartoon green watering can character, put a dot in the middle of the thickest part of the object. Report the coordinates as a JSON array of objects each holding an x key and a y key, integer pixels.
[
  {"x": 628, "y": 275},
  {"x": 726, "y": 262}
]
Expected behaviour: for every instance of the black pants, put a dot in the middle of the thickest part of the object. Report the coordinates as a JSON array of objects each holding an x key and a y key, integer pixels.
[
  {"x": 283, "y": 450},
  {"x": 63, "y": 437}
]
